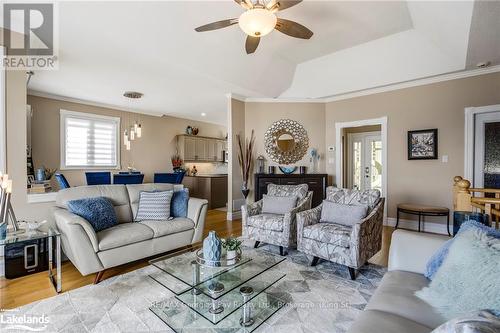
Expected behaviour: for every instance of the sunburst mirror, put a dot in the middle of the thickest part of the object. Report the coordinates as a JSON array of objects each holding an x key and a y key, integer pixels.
[{"x": 286, "y": 141}]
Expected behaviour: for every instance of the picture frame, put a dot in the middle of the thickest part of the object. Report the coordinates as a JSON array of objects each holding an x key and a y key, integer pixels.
[{"x": 423, "y": 144}]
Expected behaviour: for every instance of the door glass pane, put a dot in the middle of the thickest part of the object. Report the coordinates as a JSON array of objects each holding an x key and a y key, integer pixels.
[
  {"x": 356, "y": 165},
  {"x": 492, "y": 155},
  {"x": 376, "y": 165}
]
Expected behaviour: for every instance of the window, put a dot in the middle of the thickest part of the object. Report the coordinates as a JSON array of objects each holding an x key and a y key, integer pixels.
[{"x": 89, "y": 141}]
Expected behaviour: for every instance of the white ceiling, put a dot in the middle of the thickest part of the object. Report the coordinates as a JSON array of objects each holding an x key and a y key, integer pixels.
[{"x": 109, "y": 47}]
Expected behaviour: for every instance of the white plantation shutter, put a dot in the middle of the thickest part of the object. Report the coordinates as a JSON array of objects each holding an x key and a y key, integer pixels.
[{"x": 89, "y": 140}]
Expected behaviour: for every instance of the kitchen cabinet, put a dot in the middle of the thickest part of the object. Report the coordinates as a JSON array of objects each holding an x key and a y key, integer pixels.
[
  {"x": 210, "y": 187},
  {"x": 200, "y": 149}
]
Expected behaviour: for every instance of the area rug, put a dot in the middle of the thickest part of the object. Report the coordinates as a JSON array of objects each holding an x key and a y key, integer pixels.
[{"x": 319, "y": 299}]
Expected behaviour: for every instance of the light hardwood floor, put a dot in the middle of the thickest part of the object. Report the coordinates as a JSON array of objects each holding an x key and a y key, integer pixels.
[{"x": 24, "y": 290}]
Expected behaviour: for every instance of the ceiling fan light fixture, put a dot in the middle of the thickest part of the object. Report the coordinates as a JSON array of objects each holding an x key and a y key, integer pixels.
[{"x": 257, "y": 22}]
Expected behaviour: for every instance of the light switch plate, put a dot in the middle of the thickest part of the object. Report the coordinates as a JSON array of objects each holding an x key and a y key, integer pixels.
[{"x": 444, "y": 158}]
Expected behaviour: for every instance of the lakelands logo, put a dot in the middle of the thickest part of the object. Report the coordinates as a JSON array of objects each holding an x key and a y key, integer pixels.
[
  {"x": 23, "y": 323},
  {"x": 29, "y": 34}
]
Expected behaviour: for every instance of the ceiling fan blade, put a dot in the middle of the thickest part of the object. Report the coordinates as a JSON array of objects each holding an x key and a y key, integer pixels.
[
  {"x": 251, "y": 44},
  {"x": 283, "y": 4},
  {"x": 217, "y": 25},
  {"x": 293, "y": 29}
]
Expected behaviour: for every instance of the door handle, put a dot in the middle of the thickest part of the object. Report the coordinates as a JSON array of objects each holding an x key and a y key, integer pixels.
[{"x": 367, "y": 170}]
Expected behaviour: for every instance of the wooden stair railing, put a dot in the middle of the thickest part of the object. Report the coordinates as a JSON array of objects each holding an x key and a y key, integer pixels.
[{"x": 465, "y": 199}]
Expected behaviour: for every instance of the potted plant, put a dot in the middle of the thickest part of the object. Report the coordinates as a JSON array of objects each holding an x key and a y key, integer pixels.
[{"x": 233, "y": 247}]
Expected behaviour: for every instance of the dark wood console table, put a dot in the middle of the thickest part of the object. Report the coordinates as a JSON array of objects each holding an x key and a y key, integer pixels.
[{"x": 317, "y": 183}]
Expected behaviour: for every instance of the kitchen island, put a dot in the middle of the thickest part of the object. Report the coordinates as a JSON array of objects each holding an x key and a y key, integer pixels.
[{"x": 212, "y": 187}]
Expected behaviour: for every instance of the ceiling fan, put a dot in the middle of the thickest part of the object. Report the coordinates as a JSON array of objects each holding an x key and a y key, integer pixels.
[{"x": 260, "y": 19}]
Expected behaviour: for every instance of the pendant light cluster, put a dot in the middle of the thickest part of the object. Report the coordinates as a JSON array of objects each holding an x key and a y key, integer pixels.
[{"x": 134, "y": 131}]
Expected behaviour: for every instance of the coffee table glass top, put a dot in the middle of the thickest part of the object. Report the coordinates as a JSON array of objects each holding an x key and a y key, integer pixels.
[{"x": 179, "y": 265}]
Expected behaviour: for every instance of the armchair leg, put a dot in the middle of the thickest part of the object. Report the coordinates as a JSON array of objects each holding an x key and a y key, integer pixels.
[
  {"x": 352, "y": 273},
  {"x": 283, "y": 251},
  {"x": 314, "y": 262},
  {"x": 256, "y": 245},
  {"x": 98, "y": 277}
]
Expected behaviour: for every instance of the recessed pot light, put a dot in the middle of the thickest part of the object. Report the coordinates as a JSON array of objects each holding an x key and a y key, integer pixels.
[{"x": 203, "y": 114}]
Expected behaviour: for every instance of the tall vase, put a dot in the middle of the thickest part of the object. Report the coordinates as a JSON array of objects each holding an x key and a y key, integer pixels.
[
  {"x": 244, "y": 189},
  {"x": 212, "y": 247}
]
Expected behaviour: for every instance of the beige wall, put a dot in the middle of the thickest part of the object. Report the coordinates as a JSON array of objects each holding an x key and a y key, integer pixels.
[
  {"x": 236, "y": 121},
  {"x": 440, "y": 105},
  {"x": 151, "y": 153},
  {"x": 259, "y": 116}
]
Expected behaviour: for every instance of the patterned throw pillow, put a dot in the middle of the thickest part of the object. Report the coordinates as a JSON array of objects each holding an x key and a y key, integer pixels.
[
  {"x": 154, "y": 205},
  {"x": 476, "y": 322},
  {"x": 98, "y": 211},
  {"x": 179, "y": 205}
]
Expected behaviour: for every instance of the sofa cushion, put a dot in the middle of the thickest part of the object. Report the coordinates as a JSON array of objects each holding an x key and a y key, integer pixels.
[
  {"x": 330, "y": 233},
  {"x": 396, "y": 294},
  {"x": 348, "y": 215},
  {"x": 117, "y": 194},
  {"x": 154, "y": 206},
  {"x": 300, "y": 191},
  {"x": 353, "y": 197},
  {"x": 123, "y": 234},
  {"x": 134, "y": 191},
  {"x": 98, "y": 212},
  {"x": 163, "y": 228},
  {"x": 373, "y": 321},
  {"x": 273, "y": 222},
  {"x": 278, "y": 205},
  {"x": 179, "y": 204}
]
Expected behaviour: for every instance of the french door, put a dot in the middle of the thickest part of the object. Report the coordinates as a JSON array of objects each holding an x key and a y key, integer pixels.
[
  {"x": 487, "y": 150},
  {"x": 364, "y": 161}
]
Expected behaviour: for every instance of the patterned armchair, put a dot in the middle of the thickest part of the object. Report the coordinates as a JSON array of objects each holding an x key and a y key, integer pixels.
[
  {"x": 345, "y": 245},
  {"x": 276, "y": 229}
]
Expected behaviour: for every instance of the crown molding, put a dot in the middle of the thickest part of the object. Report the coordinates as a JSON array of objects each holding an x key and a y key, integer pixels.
[
  {"x": 413, "y": 83},
  {"x": 381, "y": 89},
  {"x": 86, "y": 102}
]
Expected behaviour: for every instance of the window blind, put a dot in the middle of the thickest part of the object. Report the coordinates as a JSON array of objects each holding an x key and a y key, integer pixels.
[{"x": 90, "y": 140}]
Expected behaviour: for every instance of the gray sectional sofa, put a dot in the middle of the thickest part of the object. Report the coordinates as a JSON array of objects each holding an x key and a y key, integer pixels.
[
  {"x": 394, "y": 308},
  {"x": 93, "y": 252}
]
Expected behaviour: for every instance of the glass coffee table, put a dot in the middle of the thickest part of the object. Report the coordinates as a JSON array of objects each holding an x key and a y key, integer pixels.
[{"x": 232, "y": 295}]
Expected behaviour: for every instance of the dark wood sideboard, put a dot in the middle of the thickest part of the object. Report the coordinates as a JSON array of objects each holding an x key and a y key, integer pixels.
[{"x": 317, "y": 183}]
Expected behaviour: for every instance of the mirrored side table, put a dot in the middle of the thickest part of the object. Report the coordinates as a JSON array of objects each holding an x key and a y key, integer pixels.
[{"x": 50, "y": 236}]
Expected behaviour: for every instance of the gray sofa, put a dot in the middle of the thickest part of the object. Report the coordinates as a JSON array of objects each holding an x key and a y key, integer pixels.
[
  {"x": 394, "y": 308},
  {"x": 93, "y": 252}
]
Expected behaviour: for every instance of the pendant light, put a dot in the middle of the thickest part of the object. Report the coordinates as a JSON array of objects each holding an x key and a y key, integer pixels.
[{"x": 135, "y": 131}]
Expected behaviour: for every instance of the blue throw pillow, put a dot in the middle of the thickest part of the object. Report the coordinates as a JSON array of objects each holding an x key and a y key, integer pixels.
[
  {"x": 179, "y": 204},
  {"x": 437, "y": 258},
  {"x": 98, "y": 211}
]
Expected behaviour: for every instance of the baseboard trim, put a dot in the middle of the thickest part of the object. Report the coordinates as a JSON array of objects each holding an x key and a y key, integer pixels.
[
  {"x": 436, "y": 228},
  {"x": 234, "y": 215}
]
